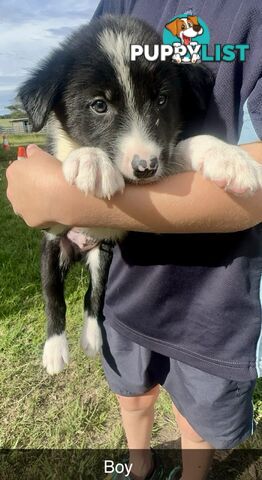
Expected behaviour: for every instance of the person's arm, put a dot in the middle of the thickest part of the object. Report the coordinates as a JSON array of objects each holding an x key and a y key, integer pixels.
[{"x": 184, "y": 203}]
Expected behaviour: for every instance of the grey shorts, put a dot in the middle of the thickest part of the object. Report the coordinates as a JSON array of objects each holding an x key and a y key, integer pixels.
[{"x": 219, "y": 410}]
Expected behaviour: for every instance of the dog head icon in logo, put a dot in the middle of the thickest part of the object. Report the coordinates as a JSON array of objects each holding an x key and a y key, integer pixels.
[
  {"x": 187, "y": 33},
  {"x": 185, "y": 28}
]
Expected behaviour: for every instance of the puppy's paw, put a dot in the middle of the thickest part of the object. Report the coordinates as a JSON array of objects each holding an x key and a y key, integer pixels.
[
  {"x": 56, "y": 354},
  {"x": 92, "y": 172},
  {"x": 229, "y": 166},
  {"x": 91, "y": 337},
  {"x": 233, "y": 169}
]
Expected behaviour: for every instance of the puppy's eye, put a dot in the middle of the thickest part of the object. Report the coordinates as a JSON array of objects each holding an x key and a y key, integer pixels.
[
  {"x": 183, "y": 27},
  {"x": 190, "y": 24},
  {"x": 99, "y": 106},
  {"x": 161, "y": 101}
]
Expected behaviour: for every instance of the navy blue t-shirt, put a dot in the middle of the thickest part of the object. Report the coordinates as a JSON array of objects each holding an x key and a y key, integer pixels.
[{"x": 197, "y": 297}]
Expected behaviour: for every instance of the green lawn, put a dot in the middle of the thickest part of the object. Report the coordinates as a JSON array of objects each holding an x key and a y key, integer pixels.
[
  {"x": 75, "y": 409},
  {"x": 5, "y": 122},
  {"x": 17, "y": 140},
  {"x": 25, "y": 139}
]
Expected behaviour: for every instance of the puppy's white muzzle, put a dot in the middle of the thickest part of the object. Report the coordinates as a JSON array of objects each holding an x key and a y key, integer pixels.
[{"x": 139, "y": 157}]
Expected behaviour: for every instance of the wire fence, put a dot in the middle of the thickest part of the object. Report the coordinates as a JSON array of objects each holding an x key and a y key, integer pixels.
[{"x": 18, "y": 130}]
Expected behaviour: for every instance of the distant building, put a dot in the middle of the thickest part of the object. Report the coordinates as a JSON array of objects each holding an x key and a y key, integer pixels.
[
  {"x": 18, "y": 126},
  {"x": 21, "y": 125}
]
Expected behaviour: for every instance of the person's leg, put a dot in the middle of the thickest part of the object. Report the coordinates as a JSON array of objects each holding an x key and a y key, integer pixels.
[
  {"x": 133, "y": 373},
  {"x": 197, "y": 454},
  {"x": 211, "y": 412},
  {"x": 138, "y": 418}
]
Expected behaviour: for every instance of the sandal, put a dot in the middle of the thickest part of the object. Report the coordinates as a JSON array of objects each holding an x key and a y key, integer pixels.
[
  {"x": 157, "y": 473},
  {"x": 175, "y": 474}
]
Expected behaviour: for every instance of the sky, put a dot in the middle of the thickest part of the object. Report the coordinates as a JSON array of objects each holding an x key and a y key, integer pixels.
[{"x": 29, "y": 30}]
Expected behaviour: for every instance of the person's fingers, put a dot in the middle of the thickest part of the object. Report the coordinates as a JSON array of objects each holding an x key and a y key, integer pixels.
[
  {"x": 12, "y": 172},
  {"x": 36, "y": 153},
  {"x": 9, "y": 170},
  {"x": 31, "y": 149}
]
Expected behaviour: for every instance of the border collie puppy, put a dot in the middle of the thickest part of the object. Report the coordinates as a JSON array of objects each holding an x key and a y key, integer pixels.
[{"x": 113, "y": 121}]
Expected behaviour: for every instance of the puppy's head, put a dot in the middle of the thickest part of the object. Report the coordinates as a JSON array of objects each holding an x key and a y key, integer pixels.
[{"x": 135, "y": 111}]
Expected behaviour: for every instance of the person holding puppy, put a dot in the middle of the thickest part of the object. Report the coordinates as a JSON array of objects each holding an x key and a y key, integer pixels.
[{"x": 187, "y": 315}]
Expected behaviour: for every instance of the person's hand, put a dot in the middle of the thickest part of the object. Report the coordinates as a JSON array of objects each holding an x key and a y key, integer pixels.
[{"x": 33, "y": 184}]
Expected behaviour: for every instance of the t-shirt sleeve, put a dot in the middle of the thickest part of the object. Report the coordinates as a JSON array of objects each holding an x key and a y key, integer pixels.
[
  {"x": 252, "y": 116},
  {"x": 116, "y": 7}
]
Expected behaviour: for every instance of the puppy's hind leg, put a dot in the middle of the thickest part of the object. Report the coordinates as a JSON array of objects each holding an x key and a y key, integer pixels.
[
  {"x": 53, "y": 271},
  {"x": 98, "y": 260}
]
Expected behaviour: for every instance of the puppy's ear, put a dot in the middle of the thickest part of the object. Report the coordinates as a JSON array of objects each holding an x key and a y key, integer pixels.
[
  {"x": 41, "y": 92},
  {"x": 193, "y": 19},
  {"x": 173, "y": 26},
  {"x": 197, "y": 87},
  {"x": 198, "y": 82}
]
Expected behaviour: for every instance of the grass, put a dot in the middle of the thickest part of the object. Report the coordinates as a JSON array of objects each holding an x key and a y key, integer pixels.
[
  {"x": 74, "y": 410},
  {"x": 5, "y": 122},
  {"x": 17, "y": 140},
  {"x": 25, "y": 139}
]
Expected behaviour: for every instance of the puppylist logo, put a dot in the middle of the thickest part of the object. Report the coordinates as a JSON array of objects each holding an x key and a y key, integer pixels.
[
  {"x": 186, "y": 39},
  {"x": 187, "y": 34}
]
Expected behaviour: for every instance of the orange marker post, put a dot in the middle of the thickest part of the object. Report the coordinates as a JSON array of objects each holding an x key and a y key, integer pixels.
[
  {"x": 21, "y": 153},
  {"x": 5, "y": 143}
]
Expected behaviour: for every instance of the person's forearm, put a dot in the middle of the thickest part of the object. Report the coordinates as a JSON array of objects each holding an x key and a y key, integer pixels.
[
  {"x": 183, "y": 203},
  {"x": 186, "y": 202}
]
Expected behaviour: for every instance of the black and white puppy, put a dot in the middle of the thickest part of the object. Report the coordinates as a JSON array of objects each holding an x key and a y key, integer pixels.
[{"x": 113, "y": 121}]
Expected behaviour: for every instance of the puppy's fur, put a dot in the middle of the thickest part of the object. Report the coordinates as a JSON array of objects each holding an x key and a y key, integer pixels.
[{"x": 112, "y": 121}]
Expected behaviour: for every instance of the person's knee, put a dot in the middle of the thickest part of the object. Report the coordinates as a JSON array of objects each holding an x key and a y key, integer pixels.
[
  {"x": 189, "y": 433},
  {"x": 186, "y": 430},
  {"x": 139, "y": 403}
]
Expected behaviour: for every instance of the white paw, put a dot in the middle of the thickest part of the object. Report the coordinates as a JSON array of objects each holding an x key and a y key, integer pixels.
[
  {"x": 55, "y": 355},
  {"x": 91, "y": 337},
  {"x": 92, "y": 172},
  {"x": 229, "y": 166}
]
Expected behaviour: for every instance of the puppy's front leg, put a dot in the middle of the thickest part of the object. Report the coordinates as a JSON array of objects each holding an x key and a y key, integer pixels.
[
  {"x": 227, "y": 165},
  {"x": 92, "y": 171}
]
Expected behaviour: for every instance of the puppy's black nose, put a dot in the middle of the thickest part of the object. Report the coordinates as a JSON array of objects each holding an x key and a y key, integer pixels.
[{"x": 144, "y": 168}]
